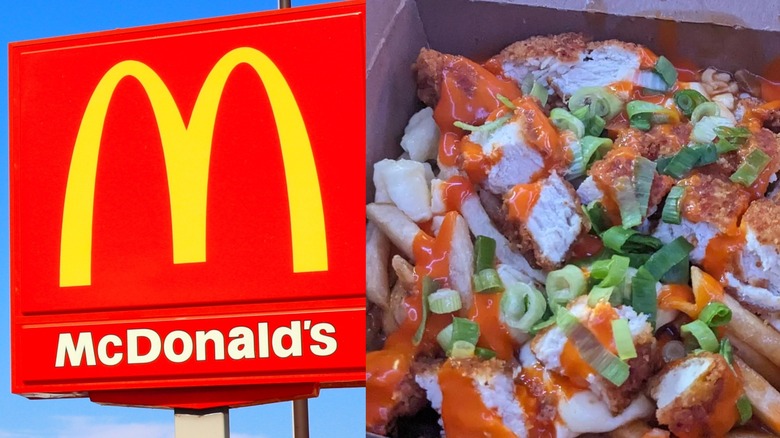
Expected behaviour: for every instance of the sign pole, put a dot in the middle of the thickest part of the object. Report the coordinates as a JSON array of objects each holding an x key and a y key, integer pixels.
[{"x": 210, "y": 423}]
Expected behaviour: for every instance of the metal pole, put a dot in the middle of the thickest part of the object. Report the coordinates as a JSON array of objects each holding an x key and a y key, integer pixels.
[
  {"x": 284, "y": 4},
  {"x": 301, "y": 418},
  {"x": 212, "y": 423}
]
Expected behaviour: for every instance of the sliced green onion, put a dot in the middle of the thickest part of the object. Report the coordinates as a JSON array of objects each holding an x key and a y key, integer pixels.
[
  {"x": 624, "y": 343},
  {"x": 484, "y": 353},
  {"x": 429, "y": 286},
  {"x": 598, "y": 216},
  {"x": 600, "y": 269},
  {"x": 522, "y": 306},
  {"x": 599, "y": 293},
  {"x": 637, "y": 259},
  {"x": 581, "y": 113},
  {"x": 527, "y": 84},
  {"x": 704, "y": 129},
  {"x": 671, "y": 212},
  {"x": 724, "y": 146},
  {"x": 644, "y": 172},
  {"x": 679, "y": 273},
  {"x": 745, "y": 409},
  {"x": 706, "y": 109},
  {"x": 444, "y": 301},
  {"x": 595, "y": 126},
  {"x": 737, "y": 135},
  {"x": 662, "y": 162},
  {"x": 751, "y": 168},
  {"x": 565, "y": 284},
  {"x": 543, "y": 324},
  {"x": 487, "y": 281},
  {"x": 643, "y": 294},
  {"x": 486, "y": 127},
  {"x": 444, "y": 338},
  {"x": 538, "y": 91},
  {"x": 667, "y": 71},
  {"x": 462, "y": 350},
  {"x": 599, "y": 101},
  {"x": 465, "y": 330},
  {"x": 642, "y": 114},
  {"x": 630, "y": 213},
  {"x": 727, "y": 351},
  {"x": 592, "y": 352},
  {"x": 682, "y": 162},
  {"x": 688, "y": 100},
  {"x": 507, "y": 103},
  {"x": 715, "y": 314},
  {"x": 563, "y": 120},
  {"x": 703, "y": 334},
  {"x": 593, "y": 148},
  {"x": 708, "y": 153},
  {"x": 618, "y": 266},
  {"x": 626, "y": 240},
  {"x": 669, "y": 255},
  {"x": 484, "y": 253}
]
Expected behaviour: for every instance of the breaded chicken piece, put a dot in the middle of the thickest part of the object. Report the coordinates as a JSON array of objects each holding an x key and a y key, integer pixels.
[
  {"x": 690, "y": 391},
  {"x": 549, "y": 218},
  {"x": 407, "y": 399},
  {"x": 491, "y": 379},
  {"x": 567, "y": 62},
  {"x": 548, "y": 347},
  {"x": 756, "y": 280},
  {"x": 710, "y": 205},
  {"x": 659, "y": 141},
  {"x": 429, "y": 67}
]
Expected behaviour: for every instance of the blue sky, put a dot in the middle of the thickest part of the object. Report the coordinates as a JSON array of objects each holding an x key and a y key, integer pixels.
[{"x": 335, "y": 413}]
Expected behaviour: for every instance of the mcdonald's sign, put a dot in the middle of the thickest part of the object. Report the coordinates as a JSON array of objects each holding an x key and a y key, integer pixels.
[{"x": 187, "y": 210}]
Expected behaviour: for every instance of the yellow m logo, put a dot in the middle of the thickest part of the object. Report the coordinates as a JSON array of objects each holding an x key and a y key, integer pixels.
[{"x": 187, "y": 150}]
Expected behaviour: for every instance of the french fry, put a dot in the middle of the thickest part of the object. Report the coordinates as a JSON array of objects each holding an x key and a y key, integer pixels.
[
  {"x": 753, "y": 331},
  {"x": 377, "y": 256},
  {"x": 764, "y": 398},
  {"x": 755, "y": 360},
  {"x": 631, "y": 430},
  {"x": 747, "y": 433},
  {"x": 479, "y": 223},
  {"x": 395, "y": 225},
  {"x": 395, "y": 314},
  {"x": 462, "y": 262},
  {"x": 405, "y": 272}
]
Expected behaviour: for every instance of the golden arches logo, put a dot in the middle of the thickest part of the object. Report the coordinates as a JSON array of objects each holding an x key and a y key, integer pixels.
[{"x": 187, "y": 151}]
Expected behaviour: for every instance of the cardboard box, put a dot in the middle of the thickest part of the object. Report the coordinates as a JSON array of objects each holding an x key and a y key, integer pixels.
[{"x": 725, "y": 34}]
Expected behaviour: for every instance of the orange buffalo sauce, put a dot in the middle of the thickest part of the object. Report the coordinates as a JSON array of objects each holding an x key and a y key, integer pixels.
[
  {"x": 472, "y": 104},
  {"x": 587, "y": 245},
  {"x": 456, "y": 189},
  {"x": 530, "y": 387},
  {"x": 387, "y": 368},
  {"x": 463, "y": 412},
  {"x": 475, "y": 162},
  {"x": 678, "y": 297},
  {"x": 540, "y": 133},
  {"x": 618, "y": 162},
  {"x": 721, "y": 253},
  {"x": 724, "y": 414},
  {"x": 520, "y": 200},
  {"x": 600, "y": 324},
  {"x": 493, "y": 334}
]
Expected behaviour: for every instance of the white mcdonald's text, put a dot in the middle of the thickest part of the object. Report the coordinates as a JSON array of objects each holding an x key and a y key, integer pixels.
[{"x": 143, "y": 345}]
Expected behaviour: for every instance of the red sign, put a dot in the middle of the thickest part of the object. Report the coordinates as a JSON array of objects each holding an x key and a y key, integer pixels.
[{"x": 187, "y": 209}]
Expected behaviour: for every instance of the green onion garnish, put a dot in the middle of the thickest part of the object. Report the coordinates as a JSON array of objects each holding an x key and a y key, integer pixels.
[
  {"x": 599, "y": 293},
  {"x": 630, "y": 213},
  {"x": 484, "y": 353},
  {"x": 688, "y": 100},
  {"x": 644, "y": 172},
  {"x": 539, "y": 92},
  {"x": 461, "y": 329},
  {"x": 730, "y": 138},
  {"x": 679, "y": 273},
  {"x": 643, "y": 294},
  {"x": 727, "y": 351},
  {"x": 642, "y": 114},
  {"x": 595, "y": 126},
  {"x": 745, "y": 409},
  {"x": 751, "y": 168},
  {"x": 543, "y": 324},
  {"x": 715, "y": 314},
  {"x": 706, "y": 109},
  {"x": 507, "y": 103},
  {"x": 486, "y": 127},
  {"x": 592, "y": 352},
  {"x": 669, "y": 255},
  {"x": 671, "y": 212},
  {"x": 563, "y": 120},
  {"x": 429, "y": 286},
  {"x": 487, "y": 281},
  {"x": 484, "y": 253},
  {"x": 581, "y": 113},
  {"x": 522, "y": 306},
  {"x": 624, "y": 343},
  {"x": 626, "y": 240},
  {"x": 682, "y": 163},
  {"x": 704, "y": 129},
  {"x": 703, "y": 334},
  {"x": 444, "y": 301},
  {"x": 598, "y": 101},
  {"x": 618, "y": 266},
  {"x": 462, "y": 350},
  {"x": 565, "y": 284},
  {"x": 667, "y": 71},
  {"x": 598, "y": 216},
  {"x": 594, "y": 148}
]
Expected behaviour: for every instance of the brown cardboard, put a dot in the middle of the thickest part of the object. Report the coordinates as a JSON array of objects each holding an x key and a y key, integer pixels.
[{"x": 746, "y": 35}]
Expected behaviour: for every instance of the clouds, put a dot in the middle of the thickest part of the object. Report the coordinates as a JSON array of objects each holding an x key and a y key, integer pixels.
[{"x": 97, "y": 427}]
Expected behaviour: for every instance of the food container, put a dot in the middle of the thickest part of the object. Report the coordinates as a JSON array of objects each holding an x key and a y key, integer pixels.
[{"x": 693, "y": 34}]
